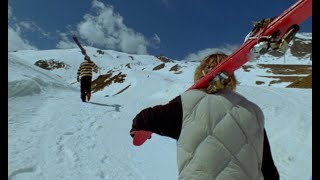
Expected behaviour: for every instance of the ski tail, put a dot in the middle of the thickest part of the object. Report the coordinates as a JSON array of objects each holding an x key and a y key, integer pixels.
[{"x": 83, "y": 51}]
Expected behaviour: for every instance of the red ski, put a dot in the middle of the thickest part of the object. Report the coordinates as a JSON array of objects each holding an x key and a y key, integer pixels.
[
  {"x": 276, "y": 31},
  {"x": 291, "y": 17}
]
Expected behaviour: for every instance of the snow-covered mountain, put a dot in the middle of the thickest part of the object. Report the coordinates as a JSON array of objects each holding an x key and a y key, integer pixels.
[{"x": 53, "y": 135}]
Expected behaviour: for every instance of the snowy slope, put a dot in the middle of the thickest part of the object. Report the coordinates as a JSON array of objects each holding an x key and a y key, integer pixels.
[{"x": 53, "y": 135}]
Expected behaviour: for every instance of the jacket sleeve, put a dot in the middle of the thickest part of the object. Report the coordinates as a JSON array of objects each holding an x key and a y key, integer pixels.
[
  {"x": 165, "y": 120},
  {"x": 269, "y": 170},
  {"x": 95, "y": 68},
  {"x": 78, "y": 73}
]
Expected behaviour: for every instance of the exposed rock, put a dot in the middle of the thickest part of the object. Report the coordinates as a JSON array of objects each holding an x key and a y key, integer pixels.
[
  {"x": 175, "y": 68},
  {"x": 259, "y": 82},
  {"x": 164, "y": 59},
  {"x": 301, "y": 47},
  {"x": 128, "y": 65},
  {"x": 105, "y": 80},
  {"x": 158, "y": 67},
  {"x": 131, "y": 57},
  {"x": 99, "y": 51},
  {"x": 303, "y": 82},
  {"x": 51, "y": 64}
]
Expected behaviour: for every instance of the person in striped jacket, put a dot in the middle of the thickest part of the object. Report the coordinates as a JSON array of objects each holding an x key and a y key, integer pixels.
[{"x": 84, "y": 75}]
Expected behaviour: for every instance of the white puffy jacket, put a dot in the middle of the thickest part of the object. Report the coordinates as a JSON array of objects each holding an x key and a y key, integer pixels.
[{"x": 221, "y": 137}]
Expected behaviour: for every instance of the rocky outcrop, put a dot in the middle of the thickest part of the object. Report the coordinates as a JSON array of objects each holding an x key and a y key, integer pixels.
[{"x": 51, "y": 64}]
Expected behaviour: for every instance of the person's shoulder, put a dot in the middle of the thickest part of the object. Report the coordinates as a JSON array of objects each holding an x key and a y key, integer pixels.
[
  {"x": 91, "y": 62},
  {"x": 248, "y": 102},
  {"x": 232, "y": 96},
  {"x": 193, "y": 93}
]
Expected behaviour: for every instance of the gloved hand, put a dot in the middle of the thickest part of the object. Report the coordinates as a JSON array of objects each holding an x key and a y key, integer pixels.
[
  {"x": 96, "y": 69},
  {"x": 135, "y": 127},
  {"x": 132, "y": 132}
]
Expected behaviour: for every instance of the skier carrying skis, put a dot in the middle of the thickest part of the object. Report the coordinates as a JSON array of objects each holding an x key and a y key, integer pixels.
[
  {"x": 219, "y": 135},
  {"x": 85, "y": 76}
]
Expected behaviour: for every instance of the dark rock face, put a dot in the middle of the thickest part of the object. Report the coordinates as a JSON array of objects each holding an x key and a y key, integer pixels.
[
  {"x": 299, "y": 47},
  {"x": 276, "y": 53},
  {"x": 51, "y": 64},
  {"x": 99, "y": 51},
  {"x": 164, "y": 59},
  {"x": 159, "y": 67}
]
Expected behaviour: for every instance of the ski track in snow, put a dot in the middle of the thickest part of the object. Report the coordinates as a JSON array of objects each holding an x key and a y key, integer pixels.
[
  {"x": 284, "y": 135},
  {"x": 69, "y": 152},
  {"x": 85, "y": 147}
]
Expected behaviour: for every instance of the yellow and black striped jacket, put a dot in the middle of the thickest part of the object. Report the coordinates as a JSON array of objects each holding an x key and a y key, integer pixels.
[{"x": 85, "y": 69}]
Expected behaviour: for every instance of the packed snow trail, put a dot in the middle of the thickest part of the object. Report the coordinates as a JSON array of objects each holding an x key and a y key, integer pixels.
[
  {"x": 288, "y": 122},
  {"x": 59, "y": 137},
  {"x": 68, "y": 139}
]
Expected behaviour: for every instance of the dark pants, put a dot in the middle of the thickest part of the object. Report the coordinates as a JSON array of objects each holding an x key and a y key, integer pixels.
[{"x": 85, "y": 87}]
